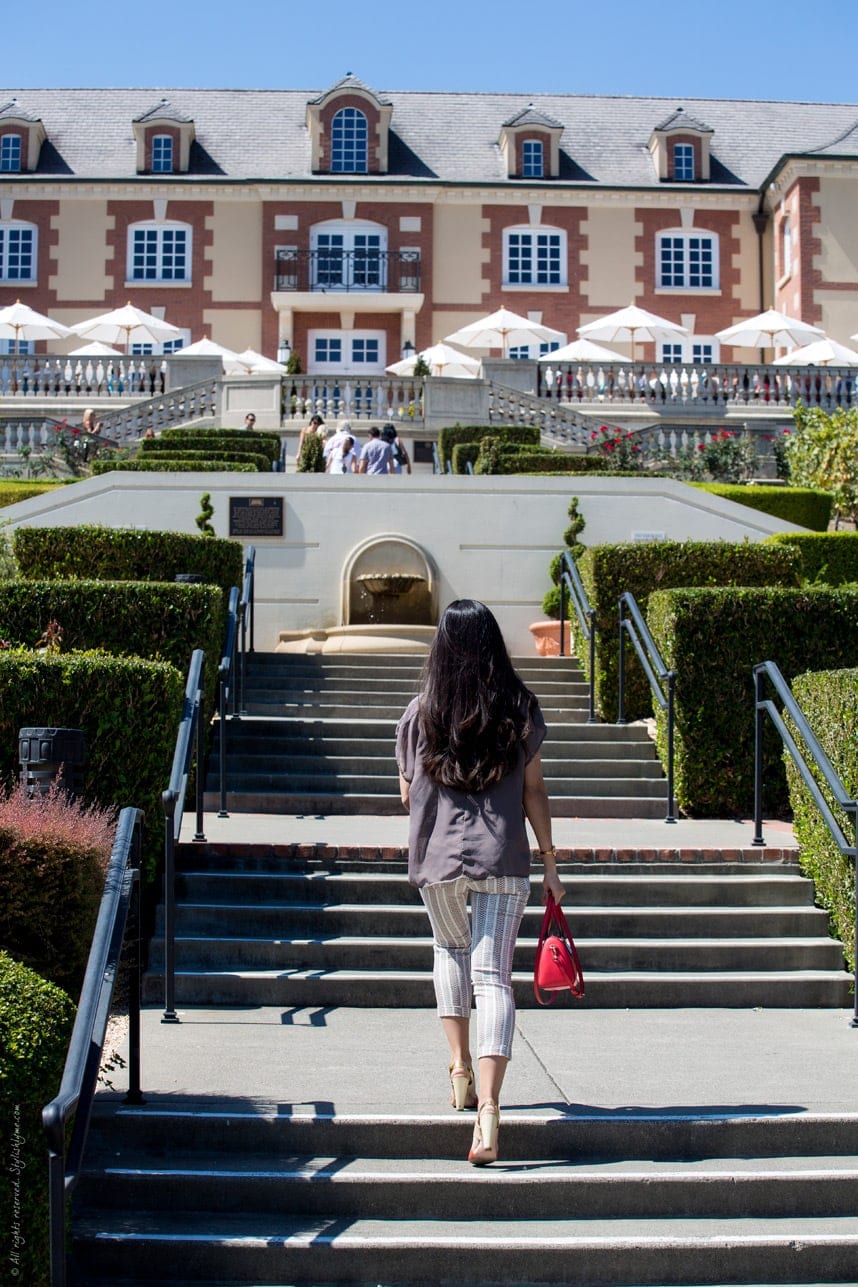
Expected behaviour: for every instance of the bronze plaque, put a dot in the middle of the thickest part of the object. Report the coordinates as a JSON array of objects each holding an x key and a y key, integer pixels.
[{"x": 256, "y": 516}]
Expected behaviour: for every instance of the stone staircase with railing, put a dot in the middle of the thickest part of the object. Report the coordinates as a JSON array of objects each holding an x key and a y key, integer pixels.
[{"x": 196, "y": 1188}]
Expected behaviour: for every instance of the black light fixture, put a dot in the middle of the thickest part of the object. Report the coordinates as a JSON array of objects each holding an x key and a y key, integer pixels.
[
  {"x": 408, "y": 349},
  {"x": 284, "y": 351}
]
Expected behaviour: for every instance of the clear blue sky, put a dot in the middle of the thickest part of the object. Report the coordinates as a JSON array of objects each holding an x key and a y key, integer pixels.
[{"x": 802, "y": 50}]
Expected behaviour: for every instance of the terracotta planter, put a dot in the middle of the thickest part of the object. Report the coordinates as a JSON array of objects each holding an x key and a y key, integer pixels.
[{"x": 546, "y": 636}]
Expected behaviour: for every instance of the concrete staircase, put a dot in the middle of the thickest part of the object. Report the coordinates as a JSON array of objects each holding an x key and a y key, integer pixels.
[
  {"x": 319, "y": 738},
  {"x": 266, "y": 928}
]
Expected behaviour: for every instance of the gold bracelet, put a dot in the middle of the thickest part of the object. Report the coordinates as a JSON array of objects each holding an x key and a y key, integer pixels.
[{"x": 552, "y": 851}]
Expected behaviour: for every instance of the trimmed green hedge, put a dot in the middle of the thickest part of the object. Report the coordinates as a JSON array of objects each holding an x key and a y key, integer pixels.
[
  {"x": 510, "y": 458},
  {"x": 607, "y": 571},
  {"x": 129, "y": 711},
  {"x": 12, "y": 491},
  {"x": 712, "y": 638},
  {"x": 463, "y": 454},
  {"x": 450, "y": 435},
  {"x": 804, "y": 506},
  {"x": 258, "y": 460},
  {"x": 829, "y": 700},
  {"x": 126, "y": 554},
  {"x": 266, "y": 442},
  {"x": 36, "y": 1020},
  {"x": 170, "y": 466},
  {"x": 828, "y": 558}
]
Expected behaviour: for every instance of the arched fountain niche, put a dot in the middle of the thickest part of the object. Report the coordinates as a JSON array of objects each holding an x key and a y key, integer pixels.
[{"x": 388, "y": 581}]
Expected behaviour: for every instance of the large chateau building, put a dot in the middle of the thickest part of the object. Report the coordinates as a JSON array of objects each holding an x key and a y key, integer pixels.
[{"x": 351, "y": 222}]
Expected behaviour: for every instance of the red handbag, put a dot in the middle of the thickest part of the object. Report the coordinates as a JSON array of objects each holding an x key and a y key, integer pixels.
[{"x": 557, "y": 966}]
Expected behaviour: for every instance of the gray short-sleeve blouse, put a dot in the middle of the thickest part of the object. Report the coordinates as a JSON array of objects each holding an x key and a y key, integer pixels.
[{"x": 453, "y": 833}]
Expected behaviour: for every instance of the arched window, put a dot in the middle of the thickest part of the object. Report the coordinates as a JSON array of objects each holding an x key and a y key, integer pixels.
[
  {"x": 532, "y": 161},
  {"x": 534, "y": 257},
  {"x": 162, "y": 154},
  {"x": 687, "y": 260},
  {"x": 683, "y": 162},
  {"x": 349, "y": 142},
  {"x": 19, "y": 247},
  {"x": 159, "y": 252},
  {"x": 10, "y": 153}
]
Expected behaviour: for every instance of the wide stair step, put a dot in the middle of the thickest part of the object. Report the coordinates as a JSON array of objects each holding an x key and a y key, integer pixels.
[
  {"x": 261, "y": 929},
  {"x": 246, "y": 1193},
  {"x": 317, "y": 737}
]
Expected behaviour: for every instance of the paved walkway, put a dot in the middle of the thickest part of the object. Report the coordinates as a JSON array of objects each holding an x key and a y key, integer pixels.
[{"x": 348, "y": 1061}]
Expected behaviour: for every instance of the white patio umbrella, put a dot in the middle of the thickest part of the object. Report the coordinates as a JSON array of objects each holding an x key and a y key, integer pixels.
[
  {"x": 630, "y": 325},
  {"x": 210, "y": 348},
  {"x": 127, "y": 325},
  {"x": 441, "y": 360},
  {"x": 584, "y": 351},
  {"x": 825, "y": 352},
  {"x": 95, "y": 349},
  {"x": 501, "y": 329},
  {"x": 20, "y": 322},
  {"x": 770, "y": 330},
  {"x": 255, "y": 363}
]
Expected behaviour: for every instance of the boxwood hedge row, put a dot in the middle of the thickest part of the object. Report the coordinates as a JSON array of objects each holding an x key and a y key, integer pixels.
[
  {"x": 450, "y": 435},
  {"x": 609, "y": 570},
  {"x": 265, "y": 442},
  {"x": 713, "y": 637},
  {"x": 257, "y": 459},
  {"x": 804, "y": 506},
  {"x": 36, "y": 1020},
  {"x": 168, "y": 465},
  {"x": 827, "y": 558},
  {"x": 126, "y": 554},
  {"x": 829, "y": 699}
]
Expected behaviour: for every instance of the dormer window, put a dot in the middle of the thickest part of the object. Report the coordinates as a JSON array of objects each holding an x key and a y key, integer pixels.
[
  {"x": 349, "y": 142},
  {"x": 349, "y": 127},
  {"x": 532, "y": 164},
  {"x": 162, "y": 154},
  {"x": 680, "y": 148},
  {"x": 10, "y": 153},
  {"x": 683, "y": 162}
]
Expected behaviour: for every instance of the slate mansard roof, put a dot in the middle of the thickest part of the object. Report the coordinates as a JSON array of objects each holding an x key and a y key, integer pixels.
[{"x": 243, "y": 135}]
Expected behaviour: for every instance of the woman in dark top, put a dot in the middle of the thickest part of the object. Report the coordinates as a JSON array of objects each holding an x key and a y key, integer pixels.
[{"x": 470, "y": 772}]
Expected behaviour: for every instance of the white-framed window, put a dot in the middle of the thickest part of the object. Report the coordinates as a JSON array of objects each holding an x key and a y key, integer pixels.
[
  {"x": 353, "y": 353},
  {"x": 19, "y": 246},
  {"x": 169, "y": 346},
  {"x": 687, "y": 261},
  {"x": 532, "y": 163},
  {"x": 698, "y": 351},
  {"x": 534, "y": 257},
  {"x": 10, "y": 153},
  {"x": 786, "y": 246},
  {"x": 159, "y": 252},
  {"x": 348, "y": 256},
  {"x": 534, "y": 350},
  {"x": 683, "y": 162},
  {"x": 162, "y": 154},
  {"x": 349, "y": 135},
  {"x": 24, "y": 346}
]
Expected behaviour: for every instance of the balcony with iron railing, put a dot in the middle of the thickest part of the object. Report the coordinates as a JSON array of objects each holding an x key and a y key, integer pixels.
[{"x": 333, "y": 270}]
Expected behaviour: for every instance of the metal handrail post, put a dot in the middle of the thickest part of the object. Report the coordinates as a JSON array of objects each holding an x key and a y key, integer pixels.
[
  {"x": 199, "y": 834},
  {"x": 223, "y": 673},
  {"x": 562, "y": 615},
  {"x": 242, "y": 663},
  {"x": 758, "y": 757},
  {"x": 621, "y": 673},
  {"x": 591, "y": 715},
  {"x": 134, "y": 1094},
  {"x": 169, "y": 1016},
  {"x": 671, "y": 685}
]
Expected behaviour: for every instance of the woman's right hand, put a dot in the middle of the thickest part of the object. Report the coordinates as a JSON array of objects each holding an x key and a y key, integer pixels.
[{"x": 552, "y": 884}]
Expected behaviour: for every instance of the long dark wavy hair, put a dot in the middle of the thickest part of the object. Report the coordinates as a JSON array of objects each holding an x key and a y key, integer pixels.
[{"x": 474, "y": 710}]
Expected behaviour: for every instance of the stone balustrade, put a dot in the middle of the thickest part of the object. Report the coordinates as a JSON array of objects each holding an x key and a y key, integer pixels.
[
  {"x": 370, "y": 398},
  {"x": 38, "y": 376}
]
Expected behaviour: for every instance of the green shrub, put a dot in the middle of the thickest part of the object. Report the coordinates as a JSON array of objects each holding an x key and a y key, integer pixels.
[
  {"x": 258, "y": 460},
  {"x": 450, "y": 435},
  {"x": 53, "y": 856},
  {"x": 168, "y": 465},
  {"x": 577, "y": 523},
  {"x": 463, "y": 454},
  {"x": 311, "y": 458},
  {"x": 258, "y": 440},
  {"x": 804, "y": 506},
  {"x": 36, "y": 1020},
  {"x": 829, "y": 700},
  {"x": 827, "y": 558},
  {"x": 822, "y": 451},
  {"x": 609, "y": 570},
  {"x": 712, "y": 638},
  {"x": 129, "y": 711},
  {"x": 126, "y": 554},
  {"x": 502, "y": 458},
  {"x": 12, "y": 491}
]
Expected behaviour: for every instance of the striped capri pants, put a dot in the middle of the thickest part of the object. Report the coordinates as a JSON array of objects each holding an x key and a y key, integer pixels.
[{"x": 477, "y": 954}]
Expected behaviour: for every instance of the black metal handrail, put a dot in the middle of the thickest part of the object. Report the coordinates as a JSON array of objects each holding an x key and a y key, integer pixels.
[
  {"x": 334, "y": 268},
  {"x": 188, "y": 738},
  {"x": 572, "y": 585},
  {"x": 226, "y": 692},
  {"x": 762, "y": 707},
  {"x": 120, "y": 903},
  {"x": 633, "y": 625},
  {"x": 246, "y": 622}
]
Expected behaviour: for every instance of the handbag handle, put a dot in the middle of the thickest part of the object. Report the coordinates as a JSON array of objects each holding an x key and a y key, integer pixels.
[{"x": 555, "y": 919}]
